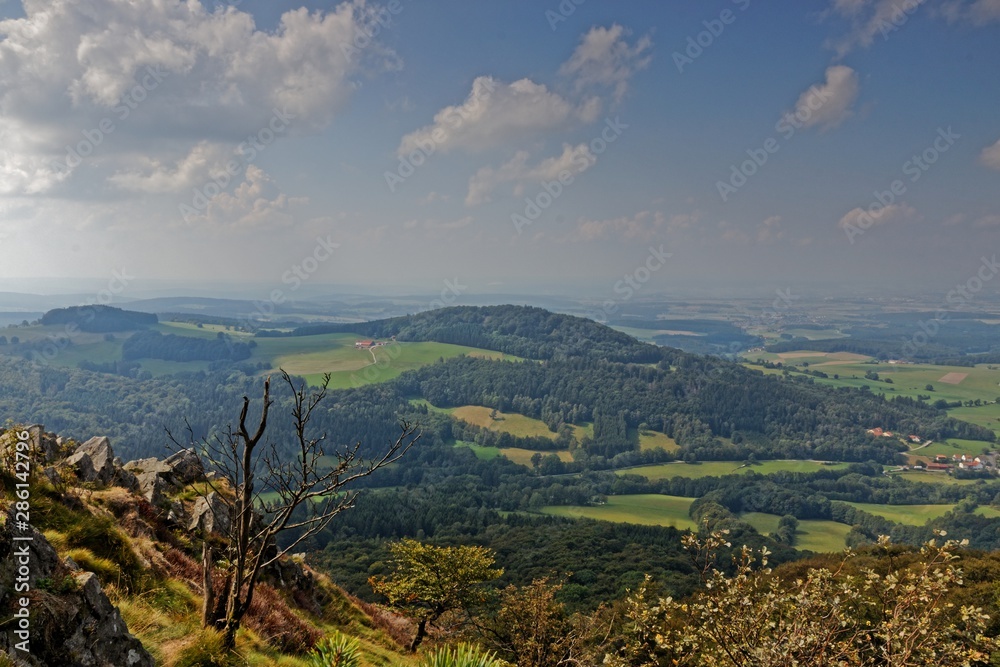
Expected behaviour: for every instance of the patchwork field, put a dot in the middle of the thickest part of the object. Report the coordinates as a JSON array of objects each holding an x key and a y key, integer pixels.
[
  {"x": 818, "y": 536},
  {"x": 951, "y": 383},
  {"x": 505, "y": 422},
  {"x": 917, "y": 515},
  {"x": 643, "y": 509},
  {"x": 721, "y": 468}
]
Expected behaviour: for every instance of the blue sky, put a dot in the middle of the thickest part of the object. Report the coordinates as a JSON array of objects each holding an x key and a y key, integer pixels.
[{"x": 491, "y": 104}]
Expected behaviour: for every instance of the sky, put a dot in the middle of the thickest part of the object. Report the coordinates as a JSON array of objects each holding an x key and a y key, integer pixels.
[{"x": 538, "y": 145}]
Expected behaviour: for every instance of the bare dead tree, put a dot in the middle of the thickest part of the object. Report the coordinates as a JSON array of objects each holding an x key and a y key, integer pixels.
[{"x": 311, "y": 491}]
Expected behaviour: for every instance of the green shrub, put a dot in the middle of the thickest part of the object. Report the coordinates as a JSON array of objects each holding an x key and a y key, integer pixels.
[
  {"x": 463, "y": 655},
  {"x": 337, "y": 650}
]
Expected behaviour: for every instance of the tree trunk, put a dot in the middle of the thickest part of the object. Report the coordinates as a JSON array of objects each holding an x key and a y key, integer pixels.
[
  {"x": 208, "y": 603},
  {"x": 421, "y": 633}
]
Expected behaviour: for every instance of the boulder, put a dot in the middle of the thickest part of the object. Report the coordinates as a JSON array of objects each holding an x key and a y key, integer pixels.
[
  {"x": 77, "y": 626},
  {"x": 211, "y": 514},
  {"x": 150, "y": 485},
  {"x": 185, "y": 467},
  {"x": 94, "y": 461}
]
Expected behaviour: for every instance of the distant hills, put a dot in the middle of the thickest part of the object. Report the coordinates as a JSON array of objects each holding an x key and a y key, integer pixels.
[{"x": 99, "y": 319}]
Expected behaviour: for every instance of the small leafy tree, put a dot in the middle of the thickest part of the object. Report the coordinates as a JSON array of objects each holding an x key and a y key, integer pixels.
[
  {"x": 889, "y": 616},
  {"x": 430, "y": 581},
  {"x": 531, "y": 628}
]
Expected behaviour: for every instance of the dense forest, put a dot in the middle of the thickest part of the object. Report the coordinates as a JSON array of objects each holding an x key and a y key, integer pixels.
[
  {"x": 154, "y": 345},
  {"x": 99, "y": 319}
]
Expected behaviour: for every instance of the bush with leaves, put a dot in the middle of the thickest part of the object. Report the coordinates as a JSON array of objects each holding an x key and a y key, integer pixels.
[
  {"x": 337, "y": 650},
  {"x": 891, "y": 614},
  {"x": 462, "y": 655}
]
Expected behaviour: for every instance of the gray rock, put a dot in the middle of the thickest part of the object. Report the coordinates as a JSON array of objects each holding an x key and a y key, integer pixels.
[
  {"x": 94, "y": 461},
  {"x": 151, "y": 487},
  {"x": 211, "y": 514},
  {"x": 185, "y": 467},
  {"x": 77, "y": 628}
]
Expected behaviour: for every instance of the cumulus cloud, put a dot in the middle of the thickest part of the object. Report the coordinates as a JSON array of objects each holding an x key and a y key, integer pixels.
[
  {"x": 154, "y": 176},
  {"x": 256, "y": 202},
  {"x": 494, "y": 113},
  {"x": 572, "y": 161},
  {"x": 859, "y": 218},
  {"x": 115, "y": 77},
  {"x": 605, "y": 58},
  {"x": 828, "y": 104},
  {"x": 990, "y": 156}
]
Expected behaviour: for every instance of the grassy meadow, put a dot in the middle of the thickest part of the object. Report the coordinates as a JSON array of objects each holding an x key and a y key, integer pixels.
[{"x": 721, "y": 468}]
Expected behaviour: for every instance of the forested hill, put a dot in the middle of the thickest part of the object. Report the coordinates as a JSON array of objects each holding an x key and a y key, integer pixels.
[
  {"x": 99, "y": 319},
  {"x": 524, "y": 331}
]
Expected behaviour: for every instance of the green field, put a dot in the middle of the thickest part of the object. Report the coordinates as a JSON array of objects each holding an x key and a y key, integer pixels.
[
  {"x": 917, "y": 515},
  {"x": 482, "y": 453},
  {"x": 654, "y": 440},
  {"x": 979, "y": 382},
  {"x": 818, "y": 536},
  {"x": 721, "y": 468},
  {"x": 934, "y": 478},
  {"x": 643, "y": 509}
]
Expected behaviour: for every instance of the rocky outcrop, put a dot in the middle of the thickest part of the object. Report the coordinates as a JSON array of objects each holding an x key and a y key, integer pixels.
[
  {"x": 155, "y": 478},
  {"x": 210, "y": 514},
  {"x": 71, "y": 621}
]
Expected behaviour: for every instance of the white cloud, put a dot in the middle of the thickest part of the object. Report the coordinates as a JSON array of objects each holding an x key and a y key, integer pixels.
[
  {"x": 990, "y": 156},
  {"x": 859, "y": 218},
  {"x": 153, "y": 176},
  {"x": 572, "y": 161},
  {"x": 988, "y": 221},
  {"x": 160, "y": 75},
  {"x": 828, "y": 104},
  {"x": 869, "y": 18},
  {"x": 977, "y": 12},
  {"x": 494, "y": 113},
  {"x": 256, "y": 202},
  {"x": 605, "y": 58}
]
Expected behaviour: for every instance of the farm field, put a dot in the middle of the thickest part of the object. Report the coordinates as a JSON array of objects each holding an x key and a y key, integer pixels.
[
  {"x": 818, "y": 536},
  {"x": 933, "y": 478},
  {"x": 917, "y": 515},
  {"x": 523, "y": 456},
  {"x": 652, "y": 440},
  {"x": 482, "y": 453},
  {"x": 721, "y": 468},
  {"x": 506, "y": 422},
  {"x": 642, "y": 509},
  {"x": 951, "y": 383}
]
